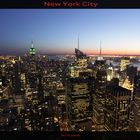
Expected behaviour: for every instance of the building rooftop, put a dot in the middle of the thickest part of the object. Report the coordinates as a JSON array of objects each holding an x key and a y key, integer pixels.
[
  {"x": 79, "y": 54},
  {"x": 117, "y": 90},
  {"x": 81, "y": 79}
]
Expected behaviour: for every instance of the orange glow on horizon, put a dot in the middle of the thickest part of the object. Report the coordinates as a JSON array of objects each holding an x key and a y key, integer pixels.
[
  {"x": 111, "y": 52},
  {"x": 91, "y": 52}
]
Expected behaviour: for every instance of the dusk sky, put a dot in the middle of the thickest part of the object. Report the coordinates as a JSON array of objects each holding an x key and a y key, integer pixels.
[{"x": 56, "y": 30}]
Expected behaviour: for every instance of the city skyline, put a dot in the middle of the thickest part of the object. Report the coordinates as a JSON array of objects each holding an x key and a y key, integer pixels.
[{"x": 56, "y": 31}]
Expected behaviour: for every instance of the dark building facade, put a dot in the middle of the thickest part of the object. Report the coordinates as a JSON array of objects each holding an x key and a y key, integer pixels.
[
  {"x": 117, "y": 108},
  {"x": 16, "y": 78},
  {"x": 137, "y": 102},
  {"x": 99, "y": 99},
  {"x": 79, "y": 99}
]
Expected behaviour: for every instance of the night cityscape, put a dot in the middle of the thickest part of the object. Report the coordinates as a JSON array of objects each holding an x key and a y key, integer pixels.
[{"x": 68, "y": 86}]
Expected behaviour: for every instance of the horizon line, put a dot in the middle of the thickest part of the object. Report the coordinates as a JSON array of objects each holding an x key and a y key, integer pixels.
[{"x": 72, "y": 54}]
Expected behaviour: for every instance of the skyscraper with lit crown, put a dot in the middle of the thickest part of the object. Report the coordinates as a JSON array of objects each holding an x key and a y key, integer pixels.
[
  {"x": 79, "y": 88},
  {"x": 32, "y": 75}
]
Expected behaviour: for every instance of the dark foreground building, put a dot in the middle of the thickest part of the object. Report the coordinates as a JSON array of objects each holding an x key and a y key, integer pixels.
[
  {"x": 137, "y": 102},
  {"x": 117, "y": 108},
  {"x": 79, "y": 101}
]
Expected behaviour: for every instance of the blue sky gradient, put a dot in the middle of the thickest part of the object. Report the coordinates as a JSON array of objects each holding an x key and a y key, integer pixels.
[{"x": 56, "y": 30}]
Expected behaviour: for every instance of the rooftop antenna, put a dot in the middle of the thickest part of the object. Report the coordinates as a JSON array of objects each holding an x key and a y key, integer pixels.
[
  {"x": 78, "y": 41},
  {"x": 100, "y": 48},
  {"x": 32, "y": 44}
]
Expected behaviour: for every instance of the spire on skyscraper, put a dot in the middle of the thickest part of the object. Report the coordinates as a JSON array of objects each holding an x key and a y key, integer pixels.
[
  {"x": 78, "y": 41},
  {"x": 79, "y": 54},
  {"x": 32, "y": 44},
  {"x": 100, "y": 48},
  {"x": 100, "y": 55}
]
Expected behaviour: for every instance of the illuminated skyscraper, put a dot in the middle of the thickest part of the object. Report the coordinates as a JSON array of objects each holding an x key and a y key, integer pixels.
[
  {"x": 32, "y": 59},
  {"x": 99, "y": 99},
  {"x": 79, "y": 89},
  {"x": 117, "y": 108},
  {"x": 79, "y": 99},
  {"x": 100, "y": 91},
  {"x": 110, "y": 73},
  {"x": 137, "y": 102},
  {"x": 32, "y": 50},
  {"x": 16, "y": 78},
  {"x": 80, "y": 64},
  {"x": 32, "y": 74},
  {"x": 124, "y": 62}
]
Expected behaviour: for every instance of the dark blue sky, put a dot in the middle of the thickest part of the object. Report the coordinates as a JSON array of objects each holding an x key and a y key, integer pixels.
[{"x": 56, "y": 31}]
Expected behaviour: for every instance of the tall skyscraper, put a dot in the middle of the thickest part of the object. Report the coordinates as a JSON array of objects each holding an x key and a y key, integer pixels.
[
  {"x": 79, "y": 90},
  {"x": 124, "y": 62},
  {"x": 100, "y": 91},
  {"x": 32, "y": 50},
  {"x": 16, "y": 78},
  {"x": 80, "y": 64},
  {"x": 99, "y": 99},
  {"x": 137, "y": 102},
  {"x": 79, "y": 99},
  {"x": 32, "y": 58},
  {"x": 32, "y": 74},
  {"x": 117, "y": 108}
]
